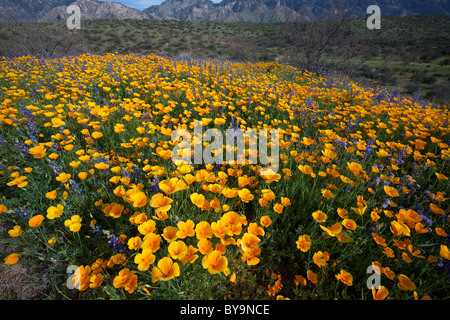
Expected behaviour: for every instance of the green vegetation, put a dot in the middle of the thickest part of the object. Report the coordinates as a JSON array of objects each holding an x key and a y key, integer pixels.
[{"x": 407, "y": 53}]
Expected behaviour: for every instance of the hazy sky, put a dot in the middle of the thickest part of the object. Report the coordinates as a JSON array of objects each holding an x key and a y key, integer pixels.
[{"x": 143, "y": 4}]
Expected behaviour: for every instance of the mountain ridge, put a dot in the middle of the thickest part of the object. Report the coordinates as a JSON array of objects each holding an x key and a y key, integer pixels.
[
  {"x": 95, "y": 10},
  {"x": 206, "y": 10},
  {"x": 270, "y": 10}
]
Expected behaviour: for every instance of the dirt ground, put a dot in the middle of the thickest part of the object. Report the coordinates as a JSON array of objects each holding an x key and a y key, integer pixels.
[{"x": 19, "y": 282}]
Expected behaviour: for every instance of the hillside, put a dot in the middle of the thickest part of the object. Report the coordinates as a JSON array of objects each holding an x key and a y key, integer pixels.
[{"x": 408, "y": 53}]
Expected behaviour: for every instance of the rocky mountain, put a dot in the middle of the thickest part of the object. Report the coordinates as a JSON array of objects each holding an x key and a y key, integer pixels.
[
  {"x": 206, "y": 10},
  {"x": 54, "y": 10},
  {"x": 95, "y": 10},
  {"x": 271, "y": 10},
  {"x": 27, "y": 10},
  {"x": 225, "y": 11}
]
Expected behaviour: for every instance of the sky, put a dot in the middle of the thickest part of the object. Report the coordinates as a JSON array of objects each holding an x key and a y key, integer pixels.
[{"x": 144, "y": 4}]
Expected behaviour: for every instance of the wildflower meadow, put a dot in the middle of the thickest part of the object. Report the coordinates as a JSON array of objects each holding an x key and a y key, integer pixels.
[{"x": 356, "y": 207}]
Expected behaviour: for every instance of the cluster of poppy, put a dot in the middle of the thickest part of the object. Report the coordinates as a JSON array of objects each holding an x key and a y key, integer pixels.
[{"x": 101, "y": 126}]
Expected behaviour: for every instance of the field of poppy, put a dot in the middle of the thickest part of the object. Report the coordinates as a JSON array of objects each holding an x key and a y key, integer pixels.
[{"x": 90, "y": 194}]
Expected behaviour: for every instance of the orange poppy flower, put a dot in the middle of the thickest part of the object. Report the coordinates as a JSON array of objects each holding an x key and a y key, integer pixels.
[
  {"x": 405, "y": 283},
  {"x": 245, "y": 195},
  {"x": 345, "y": 277},
  {"x": 151, "y": 241},
  {"x": 36, "y": 221},
  {"x": 12, "y": 258},
  {"x": 63, "y": 177},
  {"x": 161, "y": 202},
  {"x": 278, "y": 207},
  {"x": 380, "y": 294},
  {"x": 390, "y": 191},
  {"x": 165, "y": 270},
  {"x": 311, "y": 276},
  {"x": 319, "y": 216},
  {"x": 185, "y": 229},
  {"x": 54, "y": 212},
  {"x": 304, "y": 242},
  {"x": 144, "y": 259},
  {"x": 320, "y": 258},
  {"x": 203, "y": 230},
  {"x": 349, "y": 224},
  {"x": 177, "y": 250},
  {"x": 215, "y": 262},
  {"x": 265, "y": 221},
  {"x": 334, "y": 230}
]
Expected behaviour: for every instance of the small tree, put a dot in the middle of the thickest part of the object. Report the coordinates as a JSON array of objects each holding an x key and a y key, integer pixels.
[
  {"x": 43, "y": 39},
  {"x": 309, "y": 37}
]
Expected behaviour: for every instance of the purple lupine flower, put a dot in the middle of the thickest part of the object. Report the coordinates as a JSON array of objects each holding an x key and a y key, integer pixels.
[{"x": 116, "y": 244}]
